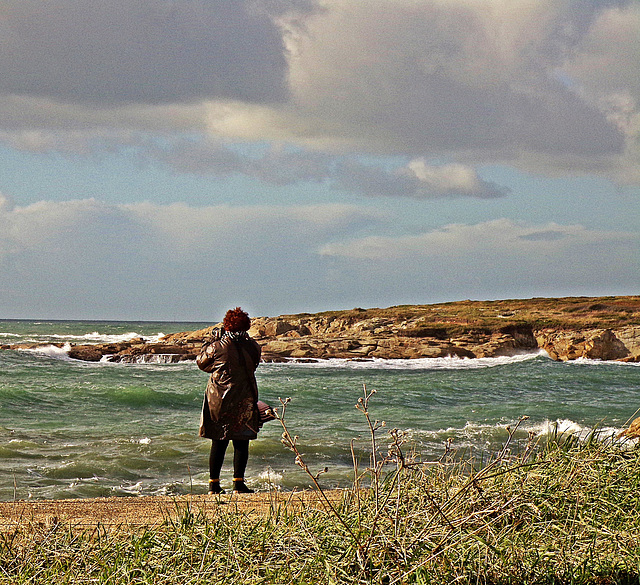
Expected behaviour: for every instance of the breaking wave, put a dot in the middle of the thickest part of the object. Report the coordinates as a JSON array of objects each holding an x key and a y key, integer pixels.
[
  {"x": 97, "y": 337},
  {"x": 474, "y": 434},
  {"x": 52, "y": 351},
  {"x": 444, "y": 363}
]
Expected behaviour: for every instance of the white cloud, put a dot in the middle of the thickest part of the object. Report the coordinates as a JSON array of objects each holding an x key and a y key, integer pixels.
[
  {"x": 453, "y": 179},
  {"x": 496, "y": 238},
  {"x": 88, "y": 259},
  {"x": 551, "y": 86},
  {"x": 223, "y": 229},
  {"x": 177, "y": 228},
  {"x": 488, "y": 80},
  {"x": 496, "y": 259},
  {"x": 606, "y": 58},
  {"x": 280, "y": 166},
  {"x": 416, "y": 180},
  {"x": 6, "y": 204},
  {"x": 39, "y": 124},
  {"x": 37, "y": 226},
  {"x": 274, "y": 165}
]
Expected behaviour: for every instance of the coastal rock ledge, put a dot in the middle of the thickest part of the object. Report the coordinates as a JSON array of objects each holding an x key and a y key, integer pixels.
[{"x": 569, "y": 328}]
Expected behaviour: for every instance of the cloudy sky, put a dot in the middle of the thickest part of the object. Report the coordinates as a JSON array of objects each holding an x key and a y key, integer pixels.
[{"x": 167, "y": 159}]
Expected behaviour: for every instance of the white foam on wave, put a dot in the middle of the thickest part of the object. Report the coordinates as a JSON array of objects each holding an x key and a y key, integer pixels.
[
  {"x": 271, "y": 477},
  {"x": 133, "y": 489},
  {"x": 52, "y": 351},
  {"x": 147, "y": 359},
  {"x": 474, "y": 433},
  {"x": 566, "y": 427},
  {"x": 444, "y": 363},
  {"x": 591, "y": 362},
  {"x": 94, "y": 337},
  {"x": 97, "y": 337}
]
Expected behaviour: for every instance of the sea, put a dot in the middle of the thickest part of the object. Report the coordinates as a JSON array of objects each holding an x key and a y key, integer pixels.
[{"x": 72, "y": 429}]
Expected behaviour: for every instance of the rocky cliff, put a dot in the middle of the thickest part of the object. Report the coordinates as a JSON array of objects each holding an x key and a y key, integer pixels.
[{"x": 606, "y": 328}]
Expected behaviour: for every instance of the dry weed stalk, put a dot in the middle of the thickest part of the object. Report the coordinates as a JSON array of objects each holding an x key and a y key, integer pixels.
[
  {"x": 291, "y": 443},
  {"x": 387, "y": 495}
]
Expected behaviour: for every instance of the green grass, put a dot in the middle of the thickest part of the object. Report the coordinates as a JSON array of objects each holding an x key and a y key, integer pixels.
[
  {"x": 567, "y": 512},
  {"x": 571, "y": 313}
]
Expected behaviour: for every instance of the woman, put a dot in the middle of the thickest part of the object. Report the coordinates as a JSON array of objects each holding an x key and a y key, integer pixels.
[{"x": 230, "y": 410}]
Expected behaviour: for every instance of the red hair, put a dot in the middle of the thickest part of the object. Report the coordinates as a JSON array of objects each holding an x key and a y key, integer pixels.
[{"x": 236, "y": 320}]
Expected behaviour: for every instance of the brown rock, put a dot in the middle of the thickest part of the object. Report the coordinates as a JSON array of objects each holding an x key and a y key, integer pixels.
[
  {"x": 605, "y": 346},
  {"x": 272, "y": 357},
  {"x": 630, "y": 337},
  {"x": 364, "y": 350},
  {"x": 388, "y": 353},
  {"x": 522, "y": 335},
  {"x": 599, "y": 328},
  {"x": 86, "y": 353},
  {"x": 596, "y": 344},
  {"x": 278, "y": 327},
  {"x": 302, "y": 352},
  {"x": 461, "y": 352},
  {"x": 282, "y": 348},
  {"x": 431, "y": 351},
  {"x": 303, "y": 330},
  {"x": 257, "y": 331}
]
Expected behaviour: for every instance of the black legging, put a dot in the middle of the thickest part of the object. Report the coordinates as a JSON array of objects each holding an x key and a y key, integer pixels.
[{"x": 240, "y": 457}]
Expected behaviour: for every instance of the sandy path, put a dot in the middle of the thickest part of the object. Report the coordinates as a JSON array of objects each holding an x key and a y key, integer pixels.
[{"x": 147, "y": 511}]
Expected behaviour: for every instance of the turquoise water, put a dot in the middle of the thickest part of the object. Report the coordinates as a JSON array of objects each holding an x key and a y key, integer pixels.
[{"x": 75, "y": 429}]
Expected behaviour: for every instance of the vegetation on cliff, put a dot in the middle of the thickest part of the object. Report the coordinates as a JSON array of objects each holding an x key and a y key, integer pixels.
[{"x": 459, "y": 317}]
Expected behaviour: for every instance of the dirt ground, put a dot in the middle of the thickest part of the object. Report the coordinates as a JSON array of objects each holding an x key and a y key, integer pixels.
[{"x": 132, "y": 512}]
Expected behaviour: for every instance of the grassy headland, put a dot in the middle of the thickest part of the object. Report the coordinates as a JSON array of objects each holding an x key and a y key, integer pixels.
[
  {"x": 459, "y": 317},
  {"x": 606, "y": 328}
]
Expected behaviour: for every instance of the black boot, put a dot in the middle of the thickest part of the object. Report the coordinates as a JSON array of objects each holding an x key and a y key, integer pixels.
[
  {"x": 214, "y": 487},
  {"x": 239, "y": 487}
]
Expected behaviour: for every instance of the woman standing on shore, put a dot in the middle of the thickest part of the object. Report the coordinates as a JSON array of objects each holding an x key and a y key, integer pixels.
[{"x": 230, "y": 409}]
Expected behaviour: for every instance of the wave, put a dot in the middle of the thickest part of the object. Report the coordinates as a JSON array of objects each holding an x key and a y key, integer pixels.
[
  {"x": 271, "y": 477},
  {"x": 445, "y": 363},
  {"x": 591, "y": 362},
  {"x": 52, "y": 351},
  {"x": 147, "y": 358},
  {"x": 474, "y": 434},
  {"x": 93, "y": 338},
  {"x": 566, "y": 427},
  {"x": 97, "y": 337}
]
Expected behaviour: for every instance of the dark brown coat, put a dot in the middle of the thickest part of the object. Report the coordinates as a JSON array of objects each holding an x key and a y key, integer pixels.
[{"x": 230, "y": 410}]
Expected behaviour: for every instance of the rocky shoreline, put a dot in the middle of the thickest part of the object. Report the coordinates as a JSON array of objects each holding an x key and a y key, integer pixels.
[{"x": 569, "y": 328}]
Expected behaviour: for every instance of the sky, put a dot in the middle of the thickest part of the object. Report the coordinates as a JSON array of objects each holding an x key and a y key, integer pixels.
[{"x": 170, "y": 159}]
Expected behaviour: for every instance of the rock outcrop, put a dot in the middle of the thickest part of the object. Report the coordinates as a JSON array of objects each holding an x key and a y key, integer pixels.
[
  {"x": 598, "y": 344},
  {"x": 603, "y": 328}
]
